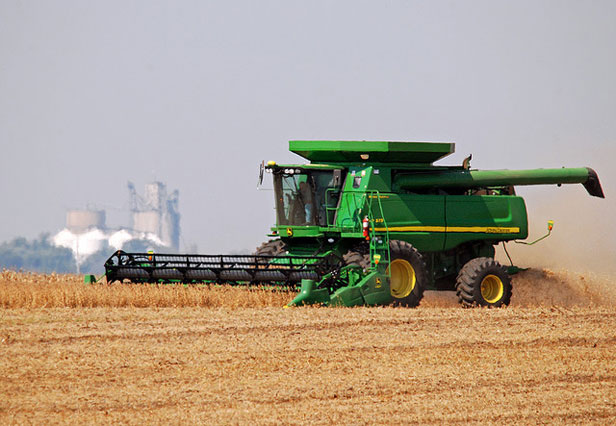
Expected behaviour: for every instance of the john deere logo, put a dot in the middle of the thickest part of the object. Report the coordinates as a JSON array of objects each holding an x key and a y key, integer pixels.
[
  {"x": 378, "y": 283},
  {"x": 290, "y": 232}
]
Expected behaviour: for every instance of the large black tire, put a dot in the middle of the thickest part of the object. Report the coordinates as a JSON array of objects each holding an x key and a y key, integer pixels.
[
  {"x": 356, "y": 258},
  {"x": 409, "y": 274},
  {"x": 483, "y": 282},
  {"x": 271, "y": 248}
]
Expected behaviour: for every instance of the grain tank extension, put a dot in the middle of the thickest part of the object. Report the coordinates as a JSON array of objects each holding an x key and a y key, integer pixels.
[{"x": 374, "y": 223}]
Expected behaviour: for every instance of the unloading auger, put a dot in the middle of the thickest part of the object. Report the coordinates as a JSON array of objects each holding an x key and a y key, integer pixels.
[{"x": 373, "y": 223}]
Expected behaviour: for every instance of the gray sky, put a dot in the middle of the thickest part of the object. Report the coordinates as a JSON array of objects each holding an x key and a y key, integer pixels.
[{"x": 197, "y": 93}]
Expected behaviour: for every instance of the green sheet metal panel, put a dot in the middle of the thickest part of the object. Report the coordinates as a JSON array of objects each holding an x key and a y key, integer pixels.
[
  {"x": 353, "y": 200},
  {"x": 417, "y": 219},
  {"x": 377, "y": 151},
  {"x": 484, "y": 217}
]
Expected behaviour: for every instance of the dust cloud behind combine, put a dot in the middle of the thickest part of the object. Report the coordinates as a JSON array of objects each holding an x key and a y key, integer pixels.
[
  {"x": 544, "y": 288},
  {"x": 584, "y": 235},
  {"x": 576, "y": 265},
  {"x": 583, "y": 239}
]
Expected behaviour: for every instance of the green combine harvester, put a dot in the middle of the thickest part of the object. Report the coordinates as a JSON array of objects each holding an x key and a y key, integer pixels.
[{"x": 373, "y": 223}]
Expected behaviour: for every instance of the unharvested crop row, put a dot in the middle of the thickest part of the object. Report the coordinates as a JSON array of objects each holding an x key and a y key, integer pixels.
[
  {"x": 23, "y": 290},
  {"x": 29, "y": 290}
]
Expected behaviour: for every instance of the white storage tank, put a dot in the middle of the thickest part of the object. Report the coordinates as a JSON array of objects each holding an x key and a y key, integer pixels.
[{"x": 79, "y": 221}]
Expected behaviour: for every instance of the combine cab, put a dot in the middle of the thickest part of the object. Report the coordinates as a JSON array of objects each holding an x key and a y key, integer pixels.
[{"x": 374, "y": 223}]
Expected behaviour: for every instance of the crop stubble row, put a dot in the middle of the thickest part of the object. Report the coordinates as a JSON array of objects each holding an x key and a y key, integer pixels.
[{"x": 308, "y": 365}]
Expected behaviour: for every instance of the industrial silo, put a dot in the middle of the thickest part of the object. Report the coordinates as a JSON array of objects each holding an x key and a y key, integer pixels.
[{"x": 79, "y": 221}]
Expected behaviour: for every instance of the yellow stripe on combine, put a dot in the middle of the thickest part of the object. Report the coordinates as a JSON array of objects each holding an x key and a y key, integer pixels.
[
  {"x": 475, "y": 229},
  {"x": 413, "y": 229}
]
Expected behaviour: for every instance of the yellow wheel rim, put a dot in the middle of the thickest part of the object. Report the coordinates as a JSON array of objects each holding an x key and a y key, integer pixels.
[
  {"x": 492, "y": 288},
  {"x": 403, "y": 278}
]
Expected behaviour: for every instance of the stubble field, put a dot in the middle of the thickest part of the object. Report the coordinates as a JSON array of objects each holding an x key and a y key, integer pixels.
[{"x": 72, "y": 353}]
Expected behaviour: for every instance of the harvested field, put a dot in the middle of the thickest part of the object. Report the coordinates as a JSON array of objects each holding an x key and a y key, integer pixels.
[{"x": 221, "y": 362}]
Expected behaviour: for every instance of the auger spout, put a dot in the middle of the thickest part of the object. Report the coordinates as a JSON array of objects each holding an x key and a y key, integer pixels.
[{"x": 494, "y": 178}]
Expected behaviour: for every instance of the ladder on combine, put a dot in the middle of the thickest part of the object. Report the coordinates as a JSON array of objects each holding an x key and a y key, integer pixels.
[
  {"x": 367, "y": 204},
  {"x": 379, "y": 242}
]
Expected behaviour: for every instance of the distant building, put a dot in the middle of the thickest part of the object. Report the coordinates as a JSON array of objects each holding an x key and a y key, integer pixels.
[
  {"x": 79, "y": 221},
  {"x": 156, "y": 213},
  {"x": 154, "y": 219}
]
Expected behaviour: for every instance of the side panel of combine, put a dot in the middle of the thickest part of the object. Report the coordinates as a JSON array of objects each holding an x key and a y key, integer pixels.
[
  {"x": 354, "y": 200},
  {"x": 484, "y": 217},
  {"x": 416, "y": 219}
]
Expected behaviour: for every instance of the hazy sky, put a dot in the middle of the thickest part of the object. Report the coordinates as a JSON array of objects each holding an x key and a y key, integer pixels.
[{"x": 197, "y": 93}]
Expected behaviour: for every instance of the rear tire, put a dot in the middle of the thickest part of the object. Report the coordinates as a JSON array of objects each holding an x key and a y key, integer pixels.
[
  {"x": 409, "y": 274},
  {"x": 483, "y": 282}
]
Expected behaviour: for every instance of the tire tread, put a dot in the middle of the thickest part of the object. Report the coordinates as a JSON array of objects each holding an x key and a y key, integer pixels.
[{"x": 469, "y": 278}]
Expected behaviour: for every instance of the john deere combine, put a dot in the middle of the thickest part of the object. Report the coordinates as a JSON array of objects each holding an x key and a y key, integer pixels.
[{"x": 373, "y": 223}]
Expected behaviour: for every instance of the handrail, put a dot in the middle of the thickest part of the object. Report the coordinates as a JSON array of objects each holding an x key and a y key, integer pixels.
[
  {"x": 377, "y": 246},
  {"x": 360, "y": 204}
]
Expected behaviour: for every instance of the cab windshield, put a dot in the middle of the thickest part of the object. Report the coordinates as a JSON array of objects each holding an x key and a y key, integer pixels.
[{"x": 306, "y": 197}]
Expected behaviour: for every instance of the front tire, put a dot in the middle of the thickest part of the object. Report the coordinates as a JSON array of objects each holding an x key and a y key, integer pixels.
[
  {"x": 483, "y": 282},
  {"x": 409, "y": 274},
  {"x": 356, "y": 258},
  {"x": 271, "y": 248}
]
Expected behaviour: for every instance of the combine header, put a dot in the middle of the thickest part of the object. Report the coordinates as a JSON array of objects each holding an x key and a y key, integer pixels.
[{"x": 374, "y": 223}]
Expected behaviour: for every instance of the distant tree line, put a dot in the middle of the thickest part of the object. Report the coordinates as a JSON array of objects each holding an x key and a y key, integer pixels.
[{"x": 40, "y": 255}]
